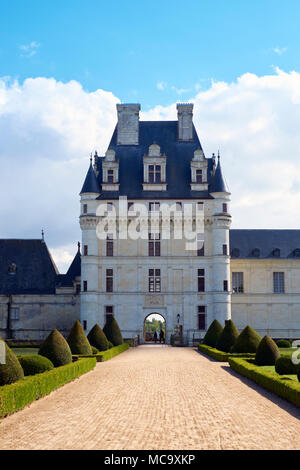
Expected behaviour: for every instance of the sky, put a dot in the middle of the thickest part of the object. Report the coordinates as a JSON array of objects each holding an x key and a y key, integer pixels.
[{"x": 64, "y": 65}]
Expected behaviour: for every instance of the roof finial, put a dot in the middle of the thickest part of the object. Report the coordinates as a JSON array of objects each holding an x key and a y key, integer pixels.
[
  {"x": 91, "y": 157},
  {"x": 218, "y": 154},
  {"x": 43, "y": 235},
  {"x": 78, "y": 244}
]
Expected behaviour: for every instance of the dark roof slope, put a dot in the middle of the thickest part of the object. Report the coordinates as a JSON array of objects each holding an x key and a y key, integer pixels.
[
  {"x": 264, "y": 243},
  {"x": 35, "y": 269},
  {"x": 178, "y": 170},
  {"x": 218, "y": 182},
  {"x": 90, "y": 184},
  {"x": 66, "y": 280}
]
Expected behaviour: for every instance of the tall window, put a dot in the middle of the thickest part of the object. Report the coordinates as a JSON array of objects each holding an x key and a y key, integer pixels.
[
  {"x": 154, "y": 280},
  {"x": 224, "y": 207},
  {"x": 237, "y": 283},
  {"x": 84, "y": 286},
  {"x": 85, "y": 208},
  {"x": 201, "y": 280},
  {"x": 278, "y": 283},
  {"x": 225, "y": 252},
  {"x": 199, "y": 178},
  {"x": 154, "y": 244},
  {"x": 85, "y": 250},
  {"x": 109, "y": 280},
  {"x": 84, "y": 324},
  {"x": 154, "y": 174},
  {"x": 109, "y": 246},
  {"x": 201, "y": 317},
  {"x": 200, "y": 251},
  {"x": 109, "y": 311},
  {"x": 154, "y": 206},
  {"x": 15, "y": 314},
  {"x": 225, "y": 286},
  {"x": 110, "y": 176}
]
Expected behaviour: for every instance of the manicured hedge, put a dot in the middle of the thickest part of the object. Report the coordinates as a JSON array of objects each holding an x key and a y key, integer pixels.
[
  {"x": 109, "y": 354},
  {"x": 220, "y": 355},
  {"x": 16, "y": 396},
  {"x": 282, "y": 386}
]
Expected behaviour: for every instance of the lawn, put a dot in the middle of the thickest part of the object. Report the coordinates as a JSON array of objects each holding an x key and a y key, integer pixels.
[
  {"x": 284, "y": 377},
  {"x": 23, "y": 351},
  {"x": 288, "y": 351}
]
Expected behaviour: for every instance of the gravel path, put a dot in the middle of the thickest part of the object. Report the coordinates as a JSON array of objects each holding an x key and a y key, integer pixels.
[{"x": 156, "y": 397}]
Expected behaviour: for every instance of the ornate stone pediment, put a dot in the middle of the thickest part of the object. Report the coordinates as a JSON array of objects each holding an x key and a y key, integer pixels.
[{"x": 153, "y": 300}]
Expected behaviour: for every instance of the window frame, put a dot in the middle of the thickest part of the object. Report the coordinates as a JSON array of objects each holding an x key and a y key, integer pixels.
[
  {"x": 109, "y": 280},
  {"x": 279, "y": 283},
  {"x": 238, "y": 282},
  {"x": 201, "y": 280},
  {"x": 154, "y": 280}
]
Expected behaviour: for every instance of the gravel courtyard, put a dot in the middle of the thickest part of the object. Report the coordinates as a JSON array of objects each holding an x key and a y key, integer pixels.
[{"x": 156, "y": 397}]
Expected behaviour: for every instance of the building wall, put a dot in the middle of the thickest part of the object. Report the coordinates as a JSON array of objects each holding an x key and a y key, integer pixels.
[{"x": 277, "y": 315}]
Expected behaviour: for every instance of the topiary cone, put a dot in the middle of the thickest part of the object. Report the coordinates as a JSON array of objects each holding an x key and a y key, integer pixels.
[
  {"x": 11, "y": 371},
  {"x": 97, "y": 338},
  {"x": 213, "y": 334},
  {"x": 247, "y": 341},
  {"x": 112, "y": 331},
  {"x": 56, "y": 348},
  {"x": 228, "y": 336},
  {"x": 78, "y": 342},
  {"x": 267, "y": 352}
]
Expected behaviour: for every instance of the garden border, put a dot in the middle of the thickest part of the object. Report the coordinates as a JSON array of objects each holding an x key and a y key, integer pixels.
[{"x": 220, "y": 355}]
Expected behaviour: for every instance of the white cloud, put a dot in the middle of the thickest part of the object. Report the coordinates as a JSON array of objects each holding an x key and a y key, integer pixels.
[
  {"x": 161, "y": 86},
  {"x": 49, "y": 128},
  {"x": 280, "y": 50},
  {"x": 29, "y": 50}
]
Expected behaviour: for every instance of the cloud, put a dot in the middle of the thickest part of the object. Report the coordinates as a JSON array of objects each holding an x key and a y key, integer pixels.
[
  {"x": 161, "y": 86},
  {"x": 49, "y": 128},
  {"x": 280, "y": 50},
  {"x": 29, "y": 50}
]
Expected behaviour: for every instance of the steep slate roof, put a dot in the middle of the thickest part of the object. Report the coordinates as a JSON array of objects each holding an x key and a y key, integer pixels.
[
  {"x": 36, "y": 271},
  {"x": 218, "y": 181},
  {"x": 178, "y": 170},
  {"x": 90, "y": 184},
  {"x": 66, "y": 280},
  {"x": 266, "y": 241}
]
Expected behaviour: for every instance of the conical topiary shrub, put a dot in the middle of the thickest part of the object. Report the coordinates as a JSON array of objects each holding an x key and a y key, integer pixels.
[
  {"x": 78, "y": 342},
  {"x": 247, "y": 341},
  {"x": 11, "y": 371},
  {"x": 56, "y": 348},
  {"x": 112, "y": 331},
  {"x": 213, "y": 334},
  {"x": 267, "y": 352},
  {"x": 228, "y": 336},
  {"x": 97, "y": 338}
]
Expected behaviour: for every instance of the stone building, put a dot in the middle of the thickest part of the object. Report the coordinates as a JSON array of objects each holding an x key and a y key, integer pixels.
[{"x": 34, "y": 297}]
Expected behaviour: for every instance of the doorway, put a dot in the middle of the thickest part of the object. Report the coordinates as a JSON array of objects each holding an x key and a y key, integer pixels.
[{"x": 154, "y": 323}]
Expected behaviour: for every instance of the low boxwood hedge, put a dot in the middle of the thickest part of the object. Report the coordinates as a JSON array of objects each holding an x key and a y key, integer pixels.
[
  {"x": 220, "y": 355},
  {"x": 106, "y": 355},
  {"x": 285, "y": 387},
  {"x": 33, "y": 364},
  {"x": 16, "y": 396}
]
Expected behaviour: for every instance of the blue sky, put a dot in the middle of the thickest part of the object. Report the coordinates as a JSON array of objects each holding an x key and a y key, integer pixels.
[{"x": 155, "y": 51}]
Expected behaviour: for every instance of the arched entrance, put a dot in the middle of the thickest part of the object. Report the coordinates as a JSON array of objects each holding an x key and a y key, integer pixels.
[{"x": 154, "y": 322}]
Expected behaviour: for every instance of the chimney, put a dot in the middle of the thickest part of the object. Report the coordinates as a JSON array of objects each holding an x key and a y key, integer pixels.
[
  {"x": 128, "y": 124},
  {"x": 185, "y": 121}
]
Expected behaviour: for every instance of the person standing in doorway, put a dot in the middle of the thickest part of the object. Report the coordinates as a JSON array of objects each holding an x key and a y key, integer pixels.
[
  {"x": 155, "y": 336},
  {"x": 161, "y": 336}
]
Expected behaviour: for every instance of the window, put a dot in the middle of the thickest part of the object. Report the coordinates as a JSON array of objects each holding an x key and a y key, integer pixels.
[
  {"x": 256, "y": 253},
  {"x": 178, "y": 206},
  {"x": 154, "y": 244},
  {"x": 84, "y": 324},
  {"x": 199, "y": 178},
  {"x": 109, "y": 246},
  {"x": 224, "y": 208},
  {"x": 225, "y": 250},
  {"x": 201, "y": 280},
  {"x": 109, "y": 206},
  {"x": 130, "y": 206},
  {"x": 109, "y": 311},
  {"x": 201, "y": 317},
  {"x": 110, "y": 176},
  {"x": 200, "y": 251},
  {"x": 77, "y": 288},
  {"x": 154, "y": 280},
  {"x": 237, "y": 283},
  {"x": 14, "y": 313},
  {"x": 154, "y": 206},
  {"x": 154, "y": 174},
  {"x": 85, "y": 208},
  {"x": 225, "y": 286},
  {"x": 109, "y": 280},
  {"x": 85, "y": 250},
  {"x": 235, "y": 253},
  {"x": 278, "y": 283},
  {"x": 276, "y": 253},
  {"x": 84, "y": 286},
  {"x": 200, "y": 206}
]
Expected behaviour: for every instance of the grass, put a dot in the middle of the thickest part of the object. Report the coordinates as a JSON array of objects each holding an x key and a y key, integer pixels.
[
  {"x": 286, "y": 351},
  {"x": 283, "y": 377},
  {"x": 25, "y": 351}
]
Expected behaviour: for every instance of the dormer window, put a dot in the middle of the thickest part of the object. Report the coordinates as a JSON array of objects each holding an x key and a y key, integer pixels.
[
  {"x": 154, "y": 174},
  {"x": 110, "y": 176},
  {"x": 154, "y": 169},
  {"x": 235, "y": 253},
  {"x": 198, "y": 176},
  {"x": 296, "y": 253},
  {"x": 199, "y": 166},
  {"x": 110, "y": 171},
  {"x": 276, "y": 253},
  {"x": 256, "y": 253}
]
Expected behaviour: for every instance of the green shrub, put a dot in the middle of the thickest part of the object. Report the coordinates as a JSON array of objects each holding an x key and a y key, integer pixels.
[
  {"x": 11, "y": 371},
  {"x": 56, "y": 348},
  {"x": 78, "y": 342},
  {"x": 94, "y": 350},
  {"x": 110, "y": 345},
  {"x": 282, "y": 386},
  {"x": 97, "y": 338},
  {"x": 213, "y": 334},
  {"x": 247, "y": 341},
  {"x": 220, "y": 355},
  {"x": 283, "y": 343},
  {"x": 228, "y": 336},
  {"x": 108, "y": 354},
  {"x": 267, "y": 352},
  {"x": 16, "y": 396},
  {"x": 284, "y": 366},
  {"x": 112, "y": 331},
  {"x": 34, "y": 364}
]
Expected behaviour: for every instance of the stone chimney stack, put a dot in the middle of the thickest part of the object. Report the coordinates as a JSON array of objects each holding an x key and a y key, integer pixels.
[
  {"x": 185, "y": 121},
  {"x": 128, "y": 124}
]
